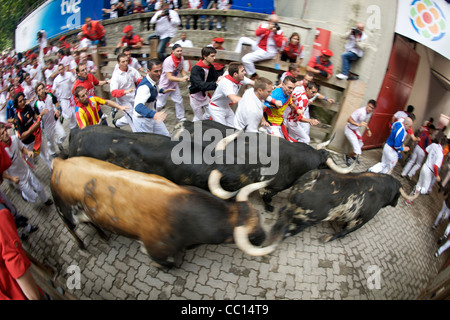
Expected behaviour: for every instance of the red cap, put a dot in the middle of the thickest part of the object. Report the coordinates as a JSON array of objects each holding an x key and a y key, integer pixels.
[
  {"x": 219, "y": 40},
  {"x": 62, "y": 38},
  {"x": 327, "y": 52},
  {"x": 127, "y": 29}
]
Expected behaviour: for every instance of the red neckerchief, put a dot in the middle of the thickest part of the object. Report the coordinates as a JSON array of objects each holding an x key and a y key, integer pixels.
[
  {"x": 176, "y": 60},
  {"x": 202, "y": 65},
  {"x": 232, "y": 79}
]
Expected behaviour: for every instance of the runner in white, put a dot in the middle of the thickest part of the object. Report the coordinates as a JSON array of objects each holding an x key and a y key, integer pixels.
[
  {"x": 62, "y": 89},
  {"x": 227, "y": 93},
  {"x": 123, "y": 87},
  {"x": 359, "y": 118}
]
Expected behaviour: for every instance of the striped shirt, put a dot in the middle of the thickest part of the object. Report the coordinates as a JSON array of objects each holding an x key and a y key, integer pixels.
[{"x": 88, "y": 115}]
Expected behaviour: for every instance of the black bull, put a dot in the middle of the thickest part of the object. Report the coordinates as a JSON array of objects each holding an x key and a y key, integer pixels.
[
  {"x": 323, "y": 195},
  {"x": 151, "y": 153}
]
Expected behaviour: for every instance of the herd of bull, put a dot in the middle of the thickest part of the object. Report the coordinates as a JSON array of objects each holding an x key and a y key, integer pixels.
[{"x": 127, "y": 183}]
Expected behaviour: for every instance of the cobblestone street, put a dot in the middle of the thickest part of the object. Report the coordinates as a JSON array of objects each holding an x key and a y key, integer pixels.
[{"x": 391, "y": 257}]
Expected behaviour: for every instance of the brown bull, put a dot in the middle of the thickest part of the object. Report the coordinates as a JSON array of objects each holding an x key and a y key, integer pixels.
[{"x": 165, "y": 217}]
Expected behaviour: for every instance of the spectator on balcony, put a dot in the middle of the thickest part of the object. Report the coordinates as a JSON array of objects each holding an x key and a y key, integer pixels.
[
  {"x": 138, "y": 7},
  {"x": 196, "y": 5},
  {"x": 166, "y": 22},
  {"x": 151, "y": 6},
  {"x": 217, "y": 43},
  {"x": 129, "y": 7},
  {"x": 293, "y": 50},
  {"x": 354, "y": 50},
  {"x": 130, "y": 39},
  {"x": 321, "y": 65},
  {"x": 94, "y": 31},
  {"x": 223, "y": 5},
  {"x": 270, "y": 41}
]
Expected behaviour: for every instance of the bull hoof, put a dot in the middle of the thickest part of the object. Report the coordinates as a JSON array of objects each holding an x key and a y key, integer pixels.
[{"x": 327, "y": 238}]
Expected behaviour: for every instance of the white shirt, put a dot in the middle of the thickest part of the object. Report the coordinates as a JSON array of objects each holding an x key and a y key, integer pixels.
[
  {"x": 185, "y": 43},
  {"x": 28, "y": 90},
  {"x": 359, "y": 115},
  {"x": 62, "y": 85},
  {"x": 133, "y": 62},
  {"x": 224, "y": 89},
  {"x": 435, "y": 156},
  {"x": 84, "y": 43},
  {"x": 165, "y": 28},
  {"x": 36, "y": 73},
  {"x": 351, "y": 45},
  {"x": 125, "y": 80},
  {"x": 48, "y": 120},
  {"x": 48, "y": 73},
  {"x": 19, "y": 168},
  {"x": 249, "y": 112}
]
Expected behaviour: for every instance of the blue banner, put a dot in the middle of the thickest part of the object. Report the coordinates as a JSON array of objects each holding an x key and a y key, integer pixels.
[{"x": 55, "y": 17}]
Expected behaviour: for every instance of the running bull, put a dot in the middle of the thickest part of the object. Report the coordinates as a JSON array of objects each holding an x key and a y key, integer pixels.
[
  {"x": 161, "y": 155},
  {"x": 165, "y": 217},
  {"x": 323, "y": 195}
]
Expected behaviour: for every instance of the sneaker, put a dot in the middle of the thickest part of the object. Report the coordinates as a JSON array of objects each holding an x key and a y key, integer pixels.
[
  {"x": 114, "y": 123},
  {"x": 31, "y": 228},
  {"x": 49, "y": 202},
  {"x": 353, "y": 78},
  {"x": 441, "y": 240},
  {"x": 408, "y": 203},
  {"x": 113, "y": 113},
  {"x": 182, "y": 120},
  {"x": 347, "y": 160},
  {"x": 356, "y": 159},
  {"x": 341, "y": 76}
]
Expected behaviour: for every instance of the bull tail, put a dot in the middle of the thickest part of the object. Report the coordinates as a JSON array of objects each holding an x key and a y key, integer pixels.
[
  {"x": 407, "y": 196},
  {"x": 333, "y": 166},
  {"x": 242, "y": 242}
]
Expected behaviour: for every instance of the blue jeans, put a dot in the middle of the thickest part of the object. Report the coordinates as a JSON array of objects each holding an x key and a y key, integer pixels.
[
  {"x": 347, "y": 60},
  {"x": 162, "y": 48}
]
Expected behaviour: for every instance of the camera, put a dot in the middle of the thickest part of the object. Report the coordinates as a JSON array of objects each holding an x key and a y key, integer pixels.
[
  {"x": 277, "y": 26},
  {"x": 166, "y": 12},
  {"x": 356, "y": 32}
]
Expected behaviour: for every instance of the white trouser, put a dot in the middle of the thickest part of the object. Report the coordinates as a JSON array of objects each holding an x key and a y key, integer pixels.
[
  {"x": 245, "y": 40},
  {"x": 68, "y": 112},
  {"x": 425, "y": 179},
  {"x": 44, "y": 154},
  {"x": 224, "y": 116},
  {"x": 200, "y": 108},
  {"x": 414, "y": 162},
  {"x": 275, "y": 131},
  {"x": 388, "y": 161},
  {"x": 354, "y": 140},
  {"x": 446, "y": 245},
  {"x": 444, "y": 214},
  {"x": 250, "y": 58},
  {"x": 55, "y": 135},
  {"x": 299, "y": 131},
  {"x": 149, "y": 125},
  {"x": 126, "y": 119},
  {"x": 176, "y": 98},
  {"x": 31, "y": 189}
]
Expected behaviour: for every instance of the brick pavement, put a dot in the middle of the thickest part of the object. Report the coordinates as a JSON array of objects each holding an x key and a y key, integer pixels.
[{"x": 397, "y": 244}]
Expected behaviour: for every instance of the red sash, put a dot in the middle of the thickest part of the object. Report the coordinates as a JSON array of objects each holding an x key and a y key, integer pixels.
[
  {"x": 356, "y": 133},
  {"x": 37, "y": 140},
  {"x": 286, "y": 133},
  {"x": 176, "y": 61}
]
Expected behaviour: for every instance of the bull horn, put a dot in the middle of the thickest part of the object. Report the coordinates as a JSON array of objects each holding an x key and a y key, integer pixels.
[
  {"x": 222, "y": 144},
  {"x": 179, "y": 127},
  {"x": 215, "y": 187},
  {"x": 333, "y": 166},
  {"x": 244, "y": 192},
  {"x": 324, "y": 144},
  {"x": 407, "y": 196},
  {"x": 241, "y": 239}
]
